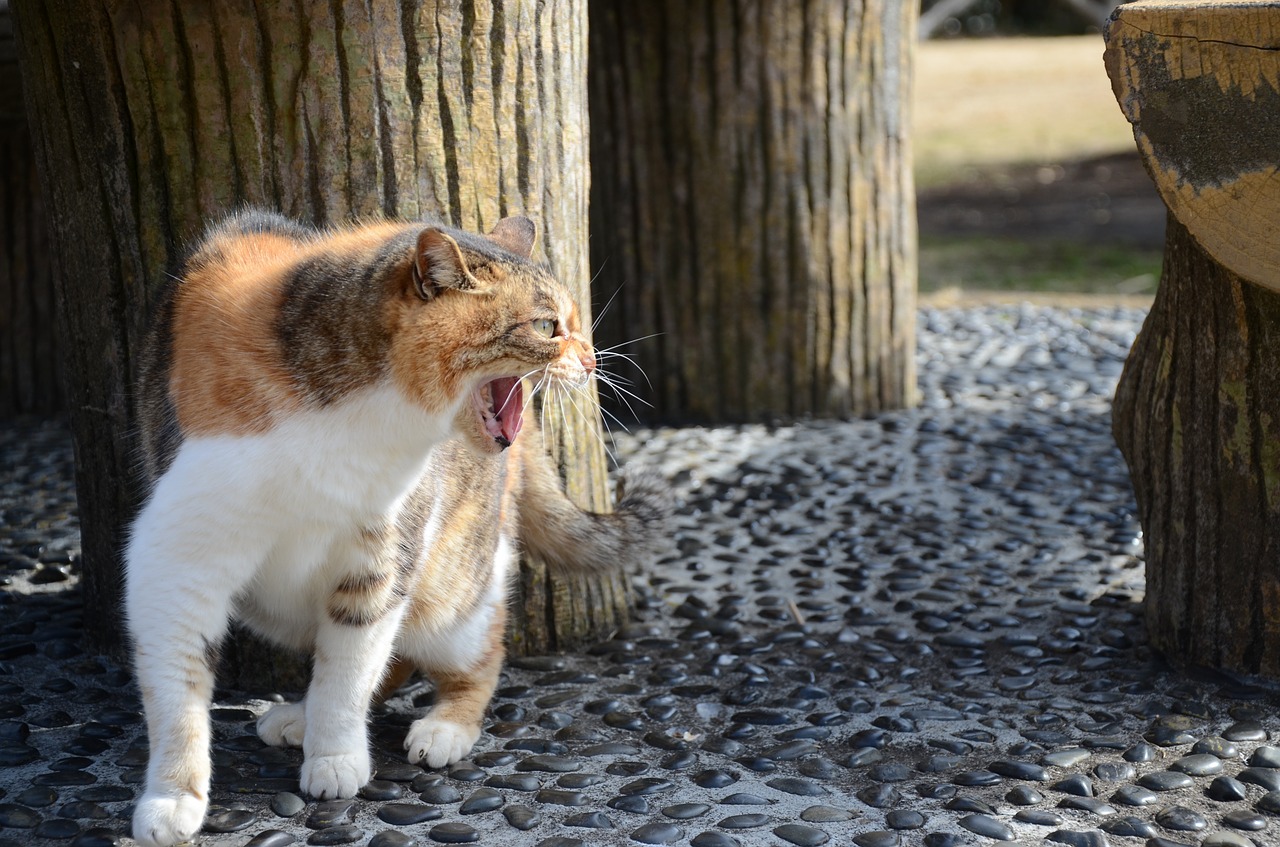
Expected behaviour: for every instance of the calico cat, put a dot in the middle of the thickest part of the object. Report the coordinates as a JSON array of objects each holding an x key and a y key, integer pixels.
[{"x": 329, "y": 428}]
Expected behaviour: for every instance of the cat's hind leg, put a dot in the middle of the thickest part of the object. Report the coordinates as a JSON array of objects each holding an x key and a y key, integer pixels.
[
  {"x": 465, "y": 678},
  {"x": 283, "y": 725}
]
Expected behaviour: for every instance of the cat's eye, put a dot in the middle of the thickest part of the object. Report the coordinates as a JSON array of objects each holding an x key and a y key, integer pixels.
[{"x": 545, "y": 327}]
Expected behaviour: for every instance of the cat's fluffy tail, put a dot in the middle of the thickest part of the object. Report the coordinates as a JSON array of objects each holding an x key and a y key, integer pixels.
[{"x": 554, "y": 529}]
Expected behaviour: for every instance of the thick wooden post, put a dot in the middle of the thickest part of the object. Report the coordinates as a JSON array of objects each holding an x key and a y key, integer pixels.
[
  {"x": 29, "y": 350},
  {"x": 1197, "y": 411},
  {"x": 753, "y": 214},
  {"x": 152, "y": 118}
]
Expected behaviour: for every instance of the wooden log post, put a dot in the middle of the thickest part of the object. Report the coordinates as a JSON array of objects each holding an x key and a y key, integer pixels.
[
  {"x": 1197, "y": 410},
  {"x": 752, "y": 213},
  {"x": 152, "y": 118},
  {"x": 30, "y": 382}
]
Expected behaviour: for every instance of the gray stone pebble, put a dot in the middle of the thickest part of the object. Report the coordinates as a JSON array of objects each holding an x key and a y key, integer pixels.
[
  {"x": 521, "y": 817},
  {"x": 1180, "y": 819},
  {"x": 714, "y": 839},
  {"x": 1038, "y": 817},
  {"x": 1066, "y": 758},
  {"x": 393, "y": 838},
  {"x": 1216, "y": 746},
  {"x": 829, "y": 814},
  {"x": 287, "y": 804},
  {"x": 1226, "y": 789},
  {"x": 407, "y": 814},
  {"x": 1074, "y": 838},
  {"x": 453, "y": 833},
  {"x": 1087, "y": 804},
  {"x": 1224, "y": 838},
  {"x": 657, "y": 832},
  {"x": 1268, "y": 778},
  {"x": 801, "y": 835},
  {"x": 1165, "y": 781},
  {"x": 987, "y": 826},
  {"x": 877, "y": 838},
  {"x": 1245, "y": 819},
  {"x": 481, "y": 800},
  {"x": 1134, "y": 795},
  {"x": 589, "y": 820},
  {"x": 1246, "y": 730},
  {"x": 1198, "y": 764},
  {"x": 1129, "y": 827}
]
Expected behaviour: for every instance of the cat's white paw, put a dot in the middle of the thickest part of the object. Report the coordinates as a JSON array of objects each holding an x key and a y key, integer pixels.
[
  {"x": 283, "y": 725},
  {"x": 159, "y": 820},
  {"x": 436, "y": 743},
  {"x": 332, "y": 777}
]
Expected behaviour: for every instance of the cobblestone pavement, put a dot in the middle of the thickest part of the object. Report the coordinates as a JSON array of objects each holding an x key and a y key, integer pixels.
[{"x": 919, "y": 629}]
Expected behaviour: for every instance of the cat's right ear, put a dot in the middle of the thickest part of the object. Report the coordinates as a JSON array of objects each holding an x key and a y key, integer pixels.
[{"x": 438, "y": 264}]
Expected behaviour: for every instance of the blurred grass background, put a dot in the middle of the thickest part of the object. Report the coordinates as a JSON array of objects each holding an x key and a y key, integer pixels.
[{"x": 1026, "y": 172}]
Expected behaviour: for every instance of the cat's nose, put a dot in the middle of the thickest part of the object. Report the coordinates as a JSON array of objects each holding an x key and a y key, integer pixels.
[{"x": 588, "y": 361}]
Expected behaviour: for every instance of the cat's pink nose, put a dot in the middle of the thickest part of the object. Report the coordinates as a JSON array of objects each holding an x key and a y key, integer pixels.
[{"x": 588, "y": 361}]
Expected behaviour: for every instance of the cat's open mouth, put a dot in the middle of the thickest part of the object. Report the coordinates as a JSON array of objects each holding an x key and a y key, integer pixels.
[{"x": 501, "y": 405}]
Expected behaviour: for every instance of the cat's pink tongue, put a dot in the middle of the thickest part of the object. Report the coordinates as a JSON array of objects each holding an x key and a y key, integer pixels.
[{"x": 508, "y": 406}]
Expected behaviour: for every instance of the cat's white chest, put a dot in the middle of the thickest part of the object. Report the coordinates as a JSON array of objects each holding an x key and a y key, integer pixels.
[{"x": 288, "y": 505}]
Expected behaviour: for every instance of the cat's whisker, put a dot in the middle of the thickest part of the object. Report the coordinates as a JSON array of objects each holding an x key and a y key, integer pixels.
[
  {"x": 626, "y": 357},
  {"x": 626, "y": 403},
  {"x": 623, "y": 393},
  {"x": 594, "y": 432},
  {"x": 610, "y": 416},
  {"x": 626, "y": 343},
  {"x": 613, "y": 378},
  {"x": 612, "y": 297}
]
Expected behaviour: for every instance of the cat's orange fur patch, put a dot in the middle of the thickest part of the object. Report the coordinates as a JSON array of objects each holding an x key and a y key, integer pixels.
[{"x": 227, "y": 377}]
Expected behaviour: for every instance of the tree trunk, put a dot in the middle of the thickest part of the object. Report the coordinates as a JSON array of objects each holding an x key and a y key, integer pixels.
[
  {"x": 152, "y": 118},
  {"x": 29, "y": 382},
  {"x": 1197, "y": 410},
  {"x": 752, "y": 204},
  {"x": 1197, "y": 417}
]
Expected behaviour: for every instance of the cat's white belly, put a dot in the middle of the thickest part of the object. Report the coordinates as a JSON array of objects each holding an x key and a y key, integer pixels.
[{"x": 279, "y": 514}]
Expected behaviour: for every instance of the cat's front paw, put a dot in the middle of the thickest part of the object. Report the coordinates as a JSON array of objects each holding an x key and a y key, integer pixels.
[
  {"x": 436, "y": 743},
  {"x": 283, "y": 725},
  {"x": 332, "y": 777},
  {"x": 159, "y": 820}
]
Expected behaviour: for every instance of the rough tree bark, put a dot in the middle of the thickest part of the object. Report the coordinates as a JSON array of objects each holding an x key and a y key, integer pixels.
[
  {"x": 29, "y": 379},
  {"x": 1197, "y": 411},
  {"x": 752, "y": 204},
  {"x": 151, "y": 118}
]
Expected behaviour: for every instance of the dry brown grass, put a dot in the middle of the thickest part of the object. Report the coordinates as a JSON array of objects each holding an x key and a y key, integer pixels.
[{"x": 1012, "y": 101}]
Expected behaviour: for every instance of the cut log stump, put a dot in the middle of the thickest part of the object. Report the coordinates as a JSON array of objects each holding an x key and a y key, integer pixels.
[{"x": 1197, "y": 410}]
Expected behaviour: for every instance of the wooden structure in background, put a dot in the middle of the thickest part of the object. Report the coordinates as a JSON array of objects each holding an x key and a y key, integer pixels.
[
  {"x": 752, "y": 206},
  {"x": 1197, "y": 411},
  {"x": 29, "y": 365},
  {"x": 180, "y": 112}
]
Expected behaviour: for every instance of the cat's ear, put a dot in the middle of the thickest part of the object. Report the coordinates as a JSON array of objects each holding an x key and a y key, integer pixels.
[
  {"x": 516, "y": 235},
  {"x": 438, "y": 264}
]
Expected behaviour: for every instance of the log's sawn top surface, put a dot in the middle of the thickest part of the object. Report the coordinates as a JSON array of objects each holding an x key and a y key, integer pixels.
[{"x": 1200, "y": 83}]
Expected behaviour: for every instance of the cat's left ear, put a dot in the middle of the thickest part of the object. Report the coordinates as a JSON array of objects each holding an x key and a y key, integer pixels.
[
  {"x": 516, "y": 234},
  {"x": 438, "y": 264}
]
